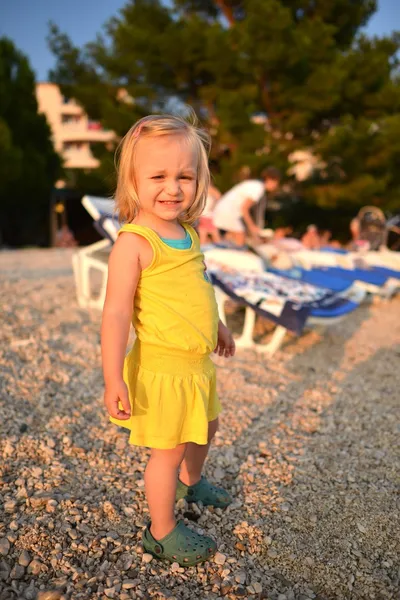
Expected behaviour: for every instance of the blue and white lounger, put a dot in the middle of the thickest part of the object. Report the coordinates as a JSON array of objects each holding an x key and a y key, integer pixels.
[{"x": 290, "y": 304}]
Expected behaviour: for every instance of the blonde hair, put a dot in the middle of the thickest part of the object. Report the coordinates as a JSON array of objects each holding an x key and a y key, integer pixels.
[{"x": 126, "y": 197}]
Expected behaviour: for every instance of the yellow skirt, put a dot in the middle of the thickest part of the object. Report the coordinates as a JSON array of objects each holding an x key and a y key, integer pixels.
[{"x": 173, "y": 397}]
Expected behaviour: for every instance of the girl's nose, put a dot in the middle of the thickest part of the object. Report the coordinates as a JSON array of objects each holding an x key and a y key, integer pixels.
[{"x": 172, "y": 187}]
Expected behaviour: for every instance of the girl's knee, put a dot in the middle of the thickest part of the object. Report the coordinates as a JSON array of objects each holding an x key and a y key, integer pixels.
[
  {"x": 171, "y": 457},
  {"x": 212, "y": 429}
]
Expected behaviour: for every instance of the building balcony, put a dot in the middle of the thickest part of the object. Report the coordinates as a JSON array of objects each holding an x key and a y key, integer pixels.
[
  {"x": 79, "y": 159},
  {"x": 71, "y": 108},
  {"x": 71, "y": 132}
]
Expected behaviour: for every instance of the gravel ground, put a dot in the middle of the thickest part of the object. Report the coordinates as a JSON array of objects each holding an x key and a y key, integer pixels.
[{"x": 308, "y": 446}]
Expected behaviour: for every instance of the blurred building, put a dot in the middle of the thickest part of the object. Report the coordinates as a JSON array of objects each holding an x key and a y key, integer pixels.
[{"x": 73, "y": 132}]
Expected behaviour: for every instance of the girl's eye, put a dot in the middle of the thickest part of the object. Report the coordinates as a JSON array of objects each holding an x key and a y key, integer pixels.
[
  {"x": 187, "y": 177},
  {"x": 157, "y": 177}
]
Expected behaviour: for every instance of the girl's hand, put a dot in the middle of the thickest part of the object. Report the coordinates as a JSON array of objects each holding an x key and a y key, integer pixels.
[
  {"x": 115, "y": 394},
  {"x": 225, "y": 344}
]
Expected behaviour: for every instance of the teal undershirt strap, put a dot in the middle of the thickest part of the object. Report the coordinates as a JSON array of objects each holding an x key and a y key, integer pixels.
[{"x": 179, "y": 244}]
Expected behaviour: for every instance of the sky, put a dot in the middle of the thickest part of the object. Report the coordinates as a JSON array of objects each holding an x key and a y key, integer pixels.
[{"x": 26, "y": 23}]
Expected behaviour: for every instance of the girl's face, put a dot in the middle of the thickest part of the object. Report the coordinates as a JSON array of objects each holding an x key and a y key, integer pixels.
[{"x": 166, "y": 176}]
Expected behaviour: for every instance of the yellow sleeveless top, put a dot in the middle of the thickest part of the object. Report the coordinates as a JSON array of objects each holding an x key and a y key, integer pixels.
[
  {"x": 170, "y": 376},
  {"x": 174, "y": 306}
]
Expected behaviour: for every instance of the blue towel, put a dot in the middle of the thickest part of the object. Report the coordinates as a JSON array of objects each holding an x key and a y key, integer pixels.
[
  {"x": 290, "y": 301},
  {"x": 315, "y": 277},
  {"x": 387, "y": 272},
  {"x": 370, "y": 277}
]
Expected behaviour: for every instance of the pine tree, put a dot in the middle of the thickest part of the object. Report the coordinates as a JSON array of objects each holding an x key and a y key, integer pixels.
[
  {"x": 29, "y": 165},
  {"x": 302, "y": 65}
]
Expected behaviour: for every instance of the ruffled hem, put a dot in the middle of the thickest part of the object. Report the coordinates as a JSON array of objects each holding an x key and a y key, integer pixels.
[{"x": 169, "y": 409}]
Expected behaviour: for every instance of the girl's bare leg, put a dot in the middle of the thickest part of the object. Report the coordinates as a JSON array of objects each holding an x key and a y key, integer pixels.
[
  {"x": 160, "y": 479},
  {"x": 203, "y": 235},
  {"x": 216, "y": 238},
  {"x": 239, "y": 238},
  {"x": 195, "y": 456}
]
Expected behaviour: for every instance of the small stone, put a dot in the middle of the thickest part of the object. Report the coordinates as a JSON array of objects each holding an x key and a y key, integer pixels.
[
  {"x": 4, "y": 546},
  {"x": 219, "y": 473},
  {"x": 361, "y": 528},
  {"x": 38, "y": 501},
  {"x": 30, "y": 592},
  {"x": 240, "y": 546},
  {"x": 110, "y": 592},
  {"x": 240, "y": 577},
  {"x": 35, "y": 566},
  {"x": 14, "y": 526},
  {"x": 285, "y": 506},
  {"x": 282, "y": 597},
  {"x": 268, "y": 540},
  {"x": 147, "y": 558},
  {"x": 226, "y": 585},
  {"x": 125, "y": 562},
  {"x": 51, "y": 506},
  {"x": 175, "y": 566},
  {"x": 10, "y": 506},
  {"x": 219, "y": 558},
  {"x": 257, "y": 587},
  {"x": 128, "y": 511},
  {"x": 128, "y": 584},
  {"x": 4, "y": 570},
  {"x": 17, "y": 572},
  {"x": 240, "y": 591},
  {"x": 272, "y": 553},
  {"x": 24, "y": 558},
  {"x": 50, "y": 595}
]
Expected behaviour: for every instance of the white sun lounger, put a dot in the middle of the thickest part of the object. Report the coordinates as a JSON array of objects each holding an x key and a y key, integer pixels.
[{"x": 95, "y": 257}]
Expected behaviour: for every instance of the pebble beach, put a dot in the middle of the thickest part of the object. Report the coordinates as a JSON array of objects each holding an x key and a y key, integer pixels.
[{"x": 308, "y": 446}]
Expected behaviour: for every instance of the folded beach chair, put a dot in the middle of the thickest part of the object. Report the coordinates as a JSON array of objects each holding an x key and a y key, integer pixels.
[
  {"x": 95, "y": 256},
  {"x": 291, "y": 305}
]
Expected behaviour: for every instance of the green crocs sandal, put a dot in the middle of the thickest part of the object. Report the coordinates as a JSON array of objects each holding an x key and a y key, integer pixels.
[
  {"x": 182, "y": 545},
  {"x": 205, "y": 492}
]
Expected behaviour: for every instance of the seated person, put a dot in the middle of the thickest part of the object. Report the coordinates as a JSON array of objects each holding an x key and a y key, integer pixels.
[
  {"x": 311, "y": 239},
  {"x": 232, "y": 213},
  {"x": 206, "y": 225}
]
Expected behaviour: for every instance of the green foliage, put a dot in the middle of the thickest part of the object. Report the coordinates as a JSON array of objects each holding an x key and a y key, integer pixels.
[
  {"x": 323, "y": 86},
  {"x": 28, "y": 164}
]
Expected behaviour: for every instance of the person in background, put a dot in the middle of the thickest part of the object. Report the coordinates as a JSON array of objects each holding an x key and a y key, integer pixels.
[
  {"x": 206, "y": 225},
  {"x": 233, "y": 212},
  {"x": 311, "y": 239},
  {"x": 65, "y": 238}
]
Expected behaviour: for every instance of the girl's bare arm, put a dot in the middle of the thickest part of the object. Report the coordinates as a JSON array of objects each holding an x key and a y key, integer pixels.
[{"x": 123, "y": 276}]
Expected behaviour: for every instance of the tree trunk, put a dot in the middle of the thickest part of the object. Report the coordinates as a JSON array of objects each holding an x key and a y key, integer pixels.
[{"x": 227, "y": 11}]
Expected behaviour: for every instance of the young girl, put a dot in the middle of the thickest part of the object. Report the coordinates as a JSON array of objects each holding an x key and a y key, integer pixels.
[{"x": 164, "y": 391}]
